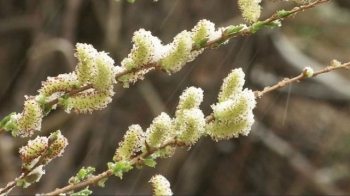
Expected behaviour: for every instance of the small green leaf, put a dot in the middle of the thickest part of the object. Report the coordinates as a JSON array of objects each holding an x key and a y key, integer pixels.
[
  {"x": 90, "y": 170},
  {"x": 256, "y": 26},
  {"x": 81, "y": 174},
  {"x": 273, "y": 24},
  {"x": 54, "y": 135},
  {"x": 101, "y": 182},
  {"x": 202, "y": 42},
  {"x": 283, "y": 13},
  {"x": 83, "y": 192},
  {"x": 233, "y": 30},
  {"x": 21, "y": 182},
  {"x": 64, "y": 101},
  {"x": 149, "y": 162},
  {"x": 47, "y": 110},
  {"x": 85, "y": 173},
  {"x": 14, "y": 132},
  {"x": 61, "y": 101},
  {"x": 42, "y": 101},
  {"x": 6, "y": 119},
  {"x": 73, "y": 180},
  {"x": 119, "y": 168}
]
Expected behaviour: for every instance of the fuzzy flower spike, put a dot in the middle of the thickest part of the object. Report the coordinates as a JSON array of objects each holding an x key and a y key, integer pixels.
[
  {"x": 189, "y": 121},
  {"x": 25, "y": 123},
  {"x": 250, "y": 10},
  {"x": 105, "y": 73},
  {"x": 39, "y": 152},
  {"x": 234, "y": 112},
  {"x": 179, "y": 53},
  {"x": 132, "y": 143},
  {"x": 147, "y": 49},
  {"x": 161, "y": 186}
]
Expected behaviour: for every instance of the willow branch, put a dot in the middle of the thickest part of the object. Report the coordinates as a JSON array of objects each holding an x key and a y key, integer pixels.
[
  {"x": 174, "y": 142},
  {"x": 25, "y": 173},
  {"x": 210, "y": 44}
]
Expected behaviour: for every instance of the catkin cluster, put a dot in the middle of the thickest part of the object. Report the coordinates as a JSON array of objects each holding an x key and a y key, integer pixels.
[
  {"x": 95, "y": 70},
  {"x": 232, "y": 116},
  {"x": 148, "y": 52},
  {"x": 233, "y": 113},
  {"x": 39, "y": 152}
]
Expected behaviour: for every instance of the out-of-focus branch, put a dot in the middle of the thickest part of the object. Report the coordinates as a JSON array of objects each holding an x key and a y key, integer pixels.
[{"x": 302, "y": 76}]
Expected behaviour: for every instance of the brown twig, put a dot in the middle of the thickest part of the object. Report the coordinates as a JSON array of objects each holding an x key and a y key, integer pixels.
[
  {"x": 108, "y": 173},
  {"x": 302, "y": 76},
  {"x": 274, "y": 17}
]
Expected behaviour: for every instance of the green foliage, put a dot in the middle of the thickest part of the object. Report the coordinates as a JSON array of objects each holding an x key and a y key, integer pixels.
[
  {"x": 82, "y": 175},
  {"x": 84, "y": 192},
  {"x": 85, "y": 173},
  {"x": 8, "y": 125},
  {"x": 101, "y": 183},
  {"x": 201, "y": 43},
  {"x": 119, "y": 168},
  {"x": 233, "y": 29},
  {"x": 64, "y": 101},
  {"x": 149, "y": 161},
  {"x": 283, "y": 13},
  {"x": 256, "y": 26}
]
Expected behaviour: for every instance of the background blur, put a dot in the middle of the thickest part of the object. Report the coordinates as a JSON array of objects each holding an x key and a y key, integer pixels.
[{"x": 300, "y": 143}]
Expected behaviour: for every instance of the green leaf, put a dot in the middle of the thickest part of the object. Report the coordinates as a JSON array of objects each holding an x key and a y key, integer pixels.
[
  {"x": 101, "y": 182},
  {"x": 273, "y": 24},
  {"x": 73, "y": 180},
  {"x": 81, "y": 174},
  {"x": 119, "y": 168},
  {"x": 150, "y": 162},
  {"x": 42, "y": 102},
  {"x": 83, "y": 192},
  {"x": 21, "y": 182},
  {"x": 54, "y": 135},
  {"x": 90, "y": 170},
  {"x": 85, "y": 173},
  {"x": 64, "y": 100},
  {"x": 47, "y": 110},
  {"x": 14, "y": 132},
  {"x": 283, "y": 13},
  {"x": 256, "y": 26},
  {"x": 202, "y": 42},
  {"x": 233, "y": 30},
  {"x": 6, "y": 119}
]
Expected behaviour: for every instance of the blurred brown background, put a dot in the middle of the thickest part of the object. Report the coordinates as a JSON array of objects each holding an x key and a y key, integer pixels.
[{"x": 300, "y": 143}]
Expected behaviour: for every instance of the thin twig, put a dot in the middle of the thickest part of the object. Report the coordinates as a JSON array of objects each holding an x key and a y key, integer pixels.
[
  {"x": 302, "y": 76},
  {"x": 108, "y": 173}
]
